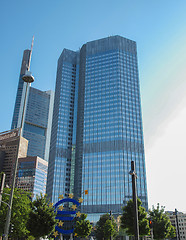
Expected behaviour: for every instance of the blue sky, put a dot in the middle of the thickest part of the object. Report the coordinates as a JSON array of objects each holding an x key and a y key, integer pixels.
[{"x": 158, "y": 27}]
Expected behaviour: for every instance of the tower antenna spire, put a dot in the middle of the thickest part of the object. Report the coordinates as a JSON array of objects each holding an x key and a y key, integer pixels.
[{"x": 31, "y": 53}]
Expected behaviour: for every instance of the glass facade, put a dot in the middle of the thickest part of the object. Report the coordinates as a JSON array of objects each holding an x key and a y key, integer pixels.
[
  {"x": 112, "y": 126},
  {"x": 38, "y": 117},
  {"x": 58, "y": 180},
  {"x": 108, "y": 126},
  {"x": 32, "y": 175},
  {"x": 38, "y": 120}
]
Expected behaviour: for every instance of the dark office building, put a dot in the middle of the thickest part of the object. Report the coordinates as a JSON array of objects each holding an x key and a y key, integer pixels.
[{"x": 8, "y": 152}]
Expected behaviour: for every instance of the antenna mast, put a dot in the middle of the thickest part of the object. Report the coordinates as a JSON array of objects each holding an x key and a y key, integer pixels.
[{"x": 31, "y": 53}]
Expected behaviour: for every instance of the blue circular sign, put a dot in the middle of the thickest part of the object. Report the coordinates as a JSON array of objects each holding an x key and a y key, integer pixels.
[{"x": 65, "y": 218}]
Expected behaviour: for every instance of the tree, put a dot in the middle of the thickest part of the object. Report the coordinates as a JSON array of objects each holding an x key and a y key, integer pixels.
[
  {"x": 162, "y": 227},
  {"x": 41, "y": 220},
  {"x": 127, "y": 219},
  {"x": 83, "y": 227},
  {"x": 106, "y": 227},
  {"x": 20, "y": 213},
  {"x": 122, "y": 233}
]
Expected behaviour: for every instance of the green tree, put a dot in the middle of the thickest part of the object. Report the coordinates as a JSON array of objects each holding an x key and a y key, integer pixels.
[
  {"x": 20, "y": 213},
  {"x": 127, "y": 219},
  {"x": 122, "y": 233},
  {"x": 41, "y": 220},
  {"x": 162, "y": 227},
  {"x": 106, "y": 227},
  {"x": 83, "y": 227}
]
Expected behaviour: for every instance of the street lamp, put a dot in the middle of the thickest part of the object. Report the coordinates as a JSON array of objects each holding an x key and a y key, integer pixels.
[
  {"x": 2, "y": 186},
  {"x": 27, "y": 78},
  {"x": 111, "y": 222},
  {"x": 177, "y": 225},
  {"x": 134, "y": 193}
]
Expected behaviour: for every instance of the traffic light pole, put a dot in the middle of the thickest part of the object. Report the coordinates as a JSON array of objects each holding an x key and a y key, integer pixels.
[
  {"x": 151, "y": 231},
  {"x": 151, "y": 228}
]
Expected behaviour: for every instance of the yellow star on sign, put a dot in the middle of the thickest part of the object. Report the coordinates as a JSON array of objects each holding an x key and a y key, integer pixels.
[
  {"x": 60, "y": 223},
  {"x": 55, "y": 234},
  {"x": 61, "y": 208},
  {"x": 51, "y": 204},
  {"x": 80, "y": 200},
  {"x": 60, "y": 196},
  {"x": 71, "y": 195},
  {"x": 75, "y": 234},
  {"x": 78, "y": 214},
  {"x": 74, "y": 207}
]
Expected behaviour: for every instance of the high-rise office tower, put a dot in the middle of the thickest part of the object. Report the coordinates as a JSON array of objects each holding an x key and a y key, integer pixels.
[
  {"x": 32, "y": 171},
  {"x": 32, "y": 175},
  {"x": 38, "y": 122},
  {"x": 38, "y": 117},
  {"x": 97, "y": 118},
  {"x": 64, "y": 125}
]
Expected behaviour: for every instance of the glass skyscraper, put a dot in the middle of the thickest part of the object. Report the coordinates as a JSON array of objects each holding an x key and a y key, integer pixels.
[
  {"x": 38, "y": 121},
  {"x": 97, "y": 118},
  {"x": 38, "y": 117},
  {"x": 63, "y": 137},
  {"x": 21, "y": 91}
]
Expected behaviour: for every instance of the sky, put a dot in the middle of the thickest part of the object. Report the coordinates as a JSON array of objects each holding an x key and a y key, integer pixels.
[{"x": 158, "y": 27}]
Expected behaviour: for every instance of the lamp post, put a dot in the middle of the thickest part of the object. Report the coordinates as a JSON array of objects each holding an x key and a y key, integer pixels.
[
  {"x": 134, "y": 194},
  {"x": 177, "y": 225},
  {"x": 2, "y": 186},
  {"x": 111, "y": 223},
  {"x": 27, "y": 78}
]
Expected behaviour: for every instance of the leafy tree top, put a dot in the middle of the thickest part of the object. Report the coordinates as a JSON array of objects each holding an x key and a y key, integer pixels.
[
  {"x": 127, "y": 219},
  {"x": 162, "y": 227},
  {"x": 106, "y": 227},
  {"x": 20, "y": 212},
  {"x": 41, "y": 218},
  {"x": 83, "y": 227}
]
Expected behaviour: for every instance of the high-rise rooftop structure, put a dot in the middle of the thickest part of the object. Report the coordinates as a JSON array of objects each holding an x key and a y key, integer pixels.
[
  {"x": 8, "y": 152},
  {"x": 38, "y": 117},
  {"x": 97, "y": 118},
  {"x": 21, "y": 91}
]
